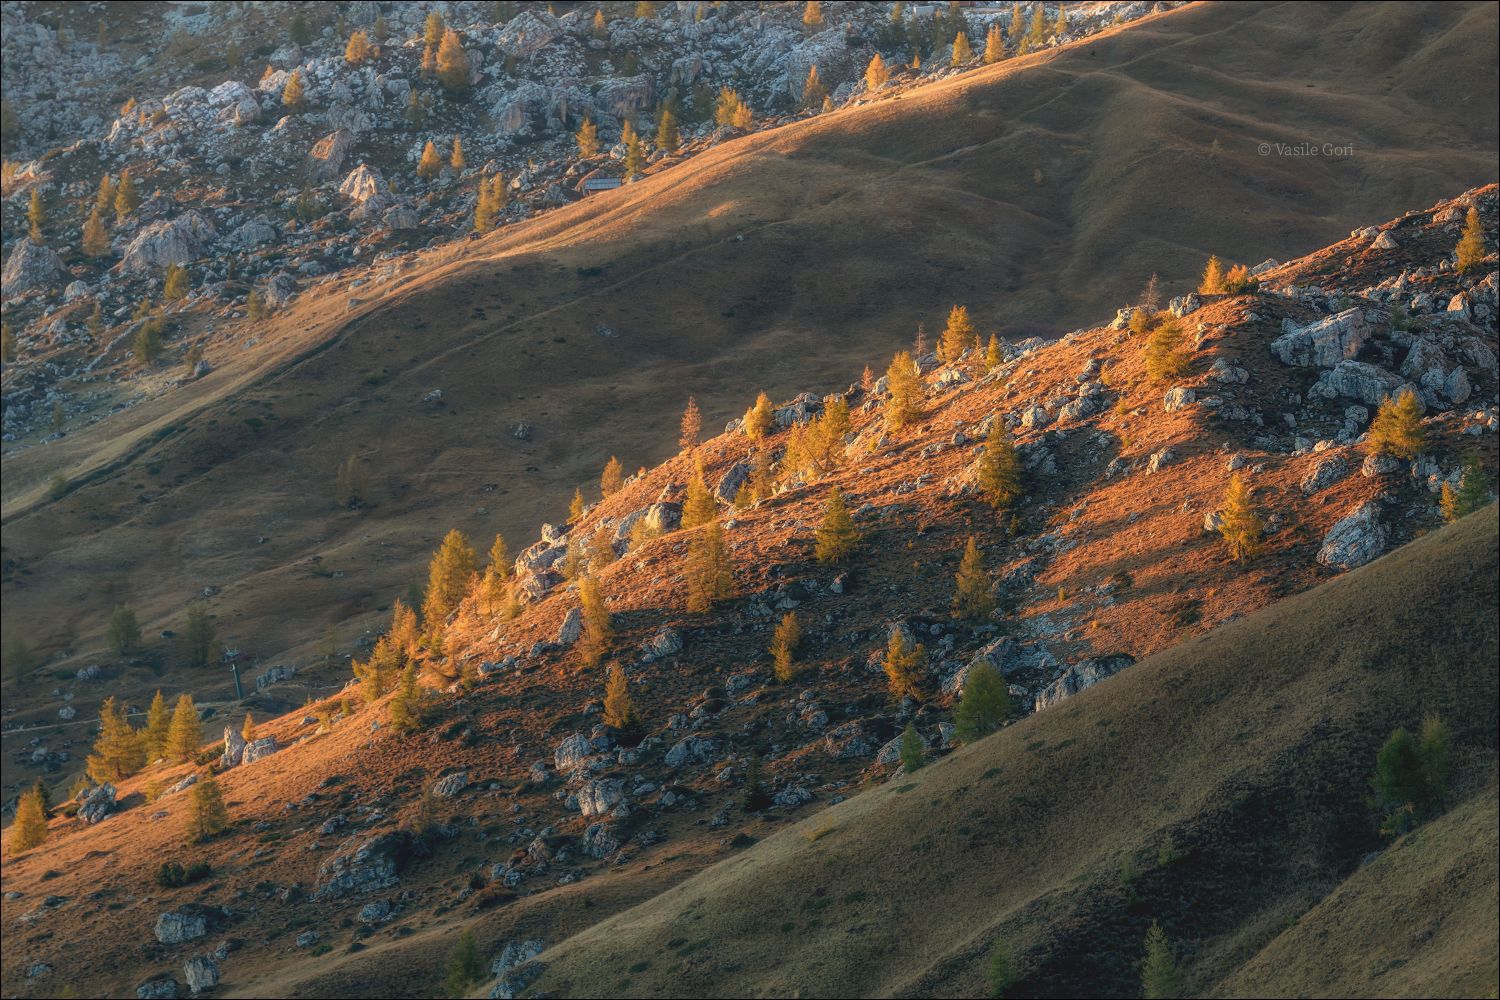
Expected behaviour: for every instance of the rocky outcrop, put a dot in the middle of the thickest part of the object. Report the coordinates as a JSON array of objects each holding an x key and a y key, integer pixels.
[
  {"x": 30, "y": 266},
  {"x": 177, "y": 926},
  {"x": 1370, "y": 384},
  {"x": 178, "y": 241},
  {"x": 600, "y": 796},
  {"x": 201, "y": 973},
  {"x": 1328, "y": 470},
  {"x": 1078, "y": 676},
  {"x": 363, "y": 184},
  {"x": 451, "y": 785},
  {"x": 96, "y": 803},
  {"x": 1324, "y": 343},
  {"x": 260, "y": 749},
  {"x": 326, "y": 159},
  {"x": 1356, "y": 539},
  {"x": 234, "y": 748},
  {"x": 372, "y": 867}
]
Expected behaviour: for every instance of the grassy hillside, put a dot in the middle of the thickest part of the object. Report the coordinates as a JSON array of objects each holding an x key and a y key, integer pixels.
[
  {"x": 1042, "y": 192},
  {"x": 1228, "y": 773}
]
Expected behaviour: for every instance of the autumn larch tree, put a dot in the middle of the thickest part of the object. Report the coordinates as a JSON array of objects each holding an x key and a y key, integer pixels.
[
  {"x": 759, "y": 418},
  {"x": 598, "y": 632},
  {"x": 635, "y": 156},
  {"x": 709, "y": 579},
  {"x": 812, "y": 15},
  {"x": 577, "y": 506},
  {"x": 619, "y": 709},
  {"x": 699, "y": 507},
  {"x": 904, "y": 384},
  {"x": 95, "y": 242},
  {"x": 813, "y": 91},
  {"x": 962, "y": 52},
  {"x": 784, "y": 647},
  {"x": 994, "y": 44},
  {"x": 358, "y": 49},
  {"x": 973, "y": 597},
  {"x": 127, "y": 196},
  {"x": 587, "y": 138},
  {"x": 691, "y": 426},
  {"x": 876, "y": 73},
  {"x": 431, "y": 164},
  {"x": 185, "y": 735},
  {"x": 29, "y": 830},
  {"x": 1470, "y": 251},
  {"x": 36, "y": 216},
  {"x": 612, "y": 478},
  {"x": 1212, "y": 282},
  {"x": 456, "y": 156},
  {"x": 836, "y": 535},
  {"x": 452, "y": 62},
  {"x": 118, "y": 750},
  {"x": 1166, "y": 357},
  {"x": 1239, "y": 523},
  {"x": 293, "y": 96},
  {"x": 207, "y": 815},
  {"x": 175, "y": 283},
  {"x": 1397, "y": 428},
  {"x": 958, "y": 336},
  {"x": 158, "y": 729},
  {"x": 447, "y": 581},
  {"x": 904, "y": 666}
]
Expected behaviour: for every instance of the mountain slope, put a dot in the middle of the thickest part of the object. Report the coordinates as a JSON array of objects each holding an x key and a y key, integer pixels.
[
  {"x": 1417, "y": 921},
  {"x": 1042, "y": 192},
  {"x": 1246, "y": 753}
]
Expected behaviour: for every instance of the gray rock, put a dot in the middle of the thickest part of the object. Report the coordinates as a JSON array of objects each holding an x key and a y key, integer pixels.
[
  {"x": 1324, "y": 343},
  {"x": 1356, "y": 539},
  {"x": 201, "y": 972},
  {"x": 260, "y": 749},
  {"x": 158, "y": 987},
  {"x": 599, "y": 796},
  {"x": 326, "y": 160},
  {"x": 96, "y": 803},
  {"x": 1078, "y": 676},
  {"x": 1160, "y": 459},
  {"x": 667, "y": 642},
  {"x": 451, "y": 785},
  {"x": 729, "y": 485},
  {"x": 175, "y": 927},
  {"x": 234, "y": 748},
  {"x": 30, "y": 266},
  {"x": 792, "y": 796},
  {"x": 371, "y": 867},
  {"x": 1370, "y": 384},
  {"x": 1327, "y": 471},
  {"x": 1178, "y": 398},
  {"x": 178, "y": 241},
  {"x": 375, "y": 912},
  {"x": 691, "y": 748},
  {"x": 571, "y": 629},
  {"x": 572, "y": 752}
]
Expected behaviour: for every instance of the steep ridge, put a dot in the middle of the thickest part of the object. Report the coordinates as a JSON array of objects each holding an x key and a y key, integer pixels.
[
  {"x": 558, "y": 822},
  {"x": 1230, "y": 773},
  {"x": 1041, "y": 192}
]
